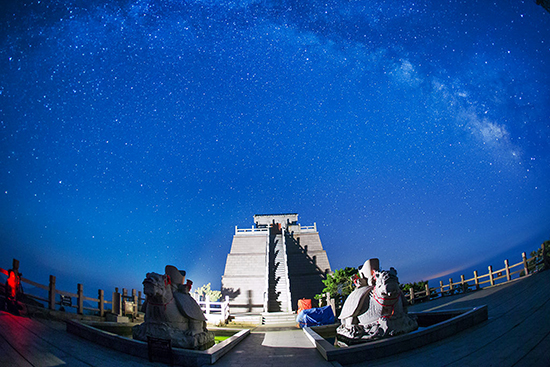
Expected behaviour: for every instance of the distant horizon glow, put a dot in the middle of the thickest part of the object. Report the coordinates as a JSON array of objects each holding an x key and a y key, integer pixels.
[{"x": 138, "y": 133}]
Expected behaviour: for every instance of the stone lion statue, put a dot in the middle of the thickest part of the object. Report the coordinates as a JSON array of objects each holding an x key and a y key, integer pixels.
[
  {"x": 171, "y": 313},
  {"x": 376, "y": 309}
]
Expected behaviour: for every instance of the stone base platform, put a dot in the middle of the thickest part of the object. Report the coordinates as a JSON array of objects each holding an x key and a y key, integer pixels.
[{"x": 182, "y": 357}]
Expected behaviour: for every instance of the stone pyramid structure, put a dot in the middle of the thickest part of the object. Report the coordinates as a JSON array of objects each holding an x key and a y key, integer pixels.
[{"x": 274, "y": 264}]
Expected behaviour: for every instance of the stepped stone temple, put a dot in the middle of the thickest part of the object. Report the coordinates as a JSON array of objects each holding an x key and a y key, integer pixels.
[{"x": 274, "y": 264}]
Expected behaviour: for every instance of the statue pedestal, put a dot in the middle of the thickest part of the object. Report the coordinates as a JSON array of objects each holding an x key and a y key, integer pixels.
[
  {"x": 116, "y": 318},
  {"x": 180, "y": 338}
]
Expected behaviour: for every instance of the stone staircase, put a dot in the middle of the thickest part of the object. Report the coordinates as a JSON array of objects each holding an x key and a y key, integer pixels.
[
  {"x": 279, "y": 319},
  {"x": 278, "y": 277}
]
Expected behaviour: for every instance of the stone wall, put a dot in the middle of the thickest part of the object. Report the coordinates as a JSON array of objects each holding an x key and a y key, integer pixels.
[
  {"x": 308, "y": 265},
  {"x": 245, "y": 273}
]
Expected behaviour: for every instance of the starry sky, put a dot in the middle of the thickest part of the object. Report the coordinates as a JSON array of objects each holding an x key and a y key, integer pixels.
[{"x": 139, "y": 133}]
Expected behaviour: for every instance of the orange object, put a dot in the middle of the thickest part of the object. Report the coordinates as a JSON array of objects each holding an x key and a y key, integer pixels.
[{"x": 303, "y": 304}]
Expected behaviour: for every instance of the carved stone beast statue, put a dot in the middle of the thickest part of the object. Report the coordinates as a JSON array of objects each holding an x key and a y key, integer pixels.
[{"x": 171, "y": 314}]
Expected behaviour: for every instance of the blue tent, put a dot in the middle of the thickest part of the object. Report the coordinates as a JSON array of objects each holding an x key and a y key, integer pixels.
[{"x": 315, "y": 317}]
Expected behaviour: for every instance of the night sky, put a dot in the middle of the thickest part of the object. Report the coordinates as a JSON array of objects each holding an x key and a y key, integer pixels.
[{"x": 135, "y": 134}]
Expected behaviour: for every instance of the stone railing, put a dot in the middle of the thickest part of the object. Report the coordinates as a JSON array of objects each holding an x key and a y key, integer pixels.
[
  {"x": 121, "y": 303},
  {"x": 265, "y": 230},
  {"x": 251, "y": 231},
  {"x": 215, "y": 312},
  {"x": 312, "y": 228},
  {"x": 266, "y": 284},
  {"x": 285, "y": 257},
  {"x": 298, "y": 228}
]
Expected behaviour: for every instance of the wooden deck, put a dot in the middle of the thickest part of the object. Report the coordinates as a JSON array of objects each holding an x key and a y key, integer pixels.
[
  {"x": 29, "y": 342},
  {"x": 516, "y": 334}
]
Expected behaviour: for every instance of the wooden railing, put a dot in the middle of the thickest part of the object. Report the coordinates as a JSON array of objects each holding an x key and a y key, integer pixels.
[
  {"x": 121, "y": 303},
  {"x": 493, "y": 277}
]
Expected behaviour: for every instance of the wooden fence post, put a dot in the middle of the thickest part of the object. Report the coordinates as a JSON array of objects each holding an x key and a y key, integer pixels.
[
  {"x": 101, "y": 303},
  {"x": 135, "y": 300},
  {"x": 545, "y": 257},
  {"x": 51, "y": 293},
  {"x": 476, "y": 280},
  {"x": 441, "y": 287},
  {"x": 123, "y": 301},
  {"x": 464, "y": 284},
  {"x": 411, "y": 295},
  {"x": 80, "y": 294},
  {"x": 525, "y": 267},
  {"x": 450, "y": 285},
  {"x": 428, "y": 291},
  {"x": 491, "y": 278},
  {"x": 507, "y": 269},
  {"x": 116, "y": 303},
  {"x": 15, "y": 266}
]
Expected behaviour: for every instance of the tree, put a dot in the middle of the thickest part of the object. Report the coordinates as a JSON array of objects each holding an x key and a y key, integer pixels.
[
  {"x": 416, "y": 286},
  {"x": 339, "y": 284},
  {"x": 537, "y": 261},
  {"x": 206, "y": 291}
]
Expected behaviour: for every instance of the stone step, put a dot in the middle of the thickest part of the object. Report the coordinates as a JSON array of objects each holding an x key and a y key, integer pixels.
[
  {"x": 277, "y": 306},
  {"x": 279, "y": 285},
  {"x": 279, "y": 318}
]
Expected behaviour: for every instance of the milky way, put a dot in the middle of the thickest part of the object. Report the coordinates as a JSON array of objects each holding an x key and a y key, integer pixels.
[{"x": 136, "y": 134}]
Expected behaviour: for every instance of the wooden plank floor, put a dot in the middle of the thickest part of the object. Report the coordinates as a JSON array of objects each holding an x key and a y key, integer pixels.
[
  {"x": 517, "y": 334},
  {"x": 37, "y": 342}
]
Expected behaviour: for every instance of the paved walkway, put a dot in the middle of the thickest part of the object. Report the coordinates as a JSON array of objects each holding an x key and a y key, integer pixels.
[
  {"x": 289, "y": 348},
  {"x": 516, "y": 334}
]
